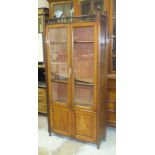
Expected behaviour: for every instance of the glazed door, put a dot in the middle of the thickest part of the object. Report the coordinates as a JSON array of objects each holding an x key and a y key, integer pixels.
[
  {"x": 83, "y": 61},
  {"x": 58, "y": 52},
  {"x": 59, "y": 65}
]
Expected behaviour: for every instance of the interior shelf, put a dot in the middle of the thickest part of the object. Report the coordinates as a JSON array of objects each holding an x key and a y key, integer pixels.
[
  {"x": 60, "y": 77},
  {"x": 81, "y": 103},
  {"x": 85, "y": 84},
  {"x": 59, "y": 101},
  {"x": 57, "y": 42},
  {"x": 56, "y": 62},
  {"x": 89, "y": 81},
  {"x": 58, "y": 80},
  {"x": 83, "y": 41}
]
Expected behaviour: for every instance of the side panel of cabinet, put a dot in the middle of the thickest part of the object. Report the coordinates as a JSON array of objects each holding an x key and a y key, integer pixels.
[
  {"x": 84, "y": 126},
  {"x": 61, "y": 121}
]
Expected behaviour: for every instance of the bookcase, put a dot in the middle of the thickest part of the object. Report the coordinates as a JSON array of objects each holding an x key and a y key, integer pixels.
[
  {"x": 76, "y": 70},
  {"x": 42, "y": 100}
]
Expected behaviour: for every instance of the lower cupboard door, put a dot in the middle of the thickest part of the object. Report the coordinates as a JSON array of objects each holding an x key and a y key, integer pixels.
[
  {"x": 61, "y": 121},
  {"x": 85, "y": 126}
]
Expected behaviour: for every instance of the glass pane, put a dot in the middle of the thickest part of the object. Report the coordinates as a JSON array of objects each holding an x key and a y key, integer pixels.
[
  {"x": 83, "y": 58},
  {"x": 98, "y": 4},
  {"x": 63, "y": 9},
  {"x": 83, "y": 95},
  {"x": 83, "y": 34},
  {"x": 83, "y": 62},
  {"x": 89, "y": 7},
  {"x": 59, "y": 64},
  {"x": 85, "y": 7},
  {"x": 59, "y": 92},
  {"x": 58, "y": 35},
  {"x": 58, "y": 53}
]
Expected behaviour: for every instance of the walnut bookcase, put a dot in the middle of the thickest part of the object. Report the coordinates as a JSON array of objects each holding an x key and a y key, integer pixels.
[{"x": 76, "y": 69}]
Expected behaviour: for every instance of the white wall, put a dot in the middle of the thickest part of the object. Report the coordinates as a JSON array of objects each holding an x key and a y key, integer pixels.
[{"x": 43, "y": 3}]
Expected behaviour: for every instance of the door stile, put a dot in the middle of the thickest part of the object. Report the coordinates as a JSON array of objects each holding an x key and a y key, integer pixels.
[
  {"x": 71, "y": 62},
  {"x": 48, "y": 83},
  {"x": 96, "y": 64},
  {"x": 69, "y": 67}
]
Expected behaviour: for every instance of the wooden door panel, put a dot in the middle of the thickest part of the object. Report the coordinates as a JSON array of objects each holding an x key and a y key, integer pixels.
[
  {"x": 61, "y": 121},
  {"x": 84, "y": 126}
]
